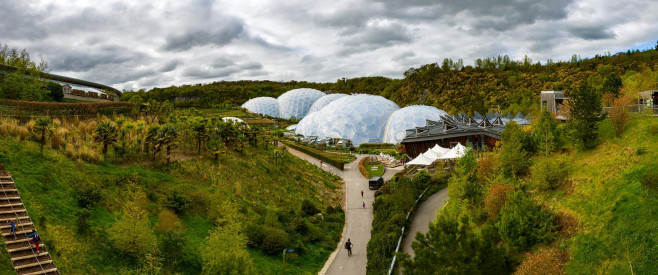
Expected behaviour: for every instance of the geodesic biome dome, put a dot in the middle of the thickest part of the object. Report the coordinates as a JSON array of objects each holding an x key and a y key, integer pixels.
[
  {"x": 360, "y": 118},
  {"x": 408, "y": 118},
  {"x": 324, "y": 101},
  {"x": 295, "y": 103},
  {"x": 263, "y": 105}
]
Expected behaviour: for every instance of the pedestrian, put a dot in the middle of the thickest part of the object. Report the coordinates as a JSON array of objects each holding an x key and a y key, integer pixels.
[
  {"x": 364, "y": 204},
  {"x": 348, "y": 246},
  {"x": 321, "y": 163},
  {"x": 13, "y": 227},
  {"x": 36, "y": 239},
  {"x": 362, "y": 194}
]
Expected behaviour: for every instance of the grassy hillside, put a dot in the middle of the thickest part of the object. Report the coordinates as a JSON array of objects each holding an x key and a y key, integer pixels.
[{"x": 74, "y": 204}]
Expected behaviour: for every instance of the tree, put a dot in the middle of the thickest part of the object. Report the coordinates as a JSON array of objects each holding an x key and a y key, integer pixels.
[
  {"x": 42, "y": 127},
  {"x": 167, "y": 139},
  {"x": 546, "y": 133},
  {"x": 464, "y": 185},
  {"x": 452, "y": 248},
  {"x": 137, "y": 103},
  {"x": 586, "y": 113},
  {"x": 612, "y": 84},
  {"x": 226, "y": 251},
  {"x": 513, "y": 158},
  {"x": 106, "y": 134},
  {"x": 619, "y": 115},
  {"x": 200, "y": 127},
  {"x": 131, "y": 233},
  {"x": 55, "y": 91},
  {"x": 151, "y": 139},
  {"x": 523, "y": 223}
]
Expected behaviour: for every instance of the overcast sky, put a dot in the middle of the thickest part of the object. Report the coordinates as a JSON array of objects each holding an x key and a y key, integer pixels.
[{"x": 142, "y": 44}]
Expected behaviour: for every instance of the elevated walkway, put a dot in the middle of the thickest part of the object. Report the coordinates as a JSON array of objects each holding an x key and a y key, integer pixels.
[{"x": 23, "y": 255}]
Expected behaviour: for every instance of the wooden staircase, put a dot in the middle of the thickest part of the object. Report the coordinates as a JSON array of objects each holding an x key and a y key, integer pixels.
[{"x": 23, "y": 255}]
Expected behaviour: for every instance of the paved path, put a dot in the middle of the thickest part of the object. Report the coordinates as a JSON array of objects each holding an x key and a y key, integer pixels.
[
  {"x": 424, "y": 215},
  {"x": 358, "y": 220}
]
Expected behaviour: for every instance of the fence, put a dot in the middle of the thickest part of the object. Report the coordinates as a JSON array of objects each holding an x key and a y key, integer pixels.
[{"x": 637, "y": 108}]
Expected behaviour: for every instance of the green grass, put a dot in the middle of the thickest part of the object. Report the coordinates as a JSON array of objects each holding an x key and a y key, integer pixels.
[
  {"x": 48, "y": 185},
  {"x": 617, "y": 214},
  {"x": 377, "y": 172}
]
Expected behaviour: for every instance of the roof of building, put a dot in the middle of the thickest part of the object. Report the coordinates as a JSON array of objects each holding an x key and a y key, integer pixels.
[{"x": 460, "y": 125}]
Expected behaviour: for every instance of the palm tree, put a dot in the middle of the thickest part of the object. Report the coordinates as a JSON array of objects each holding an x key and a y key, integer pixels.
[
  {"x": 105, "y": 133},
  {"x": 42, "y": 127},
  {"x": 279, "y": 152},
  {"x": 200, "y": 128},
  {"x": 151, "y": 139},
  {"x": 167, "y": 138}
]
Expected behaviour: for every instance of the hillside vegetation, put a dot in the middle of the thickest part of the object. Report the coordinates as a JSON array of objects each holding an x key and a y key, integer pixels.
[{"x": 134, "y": 207}]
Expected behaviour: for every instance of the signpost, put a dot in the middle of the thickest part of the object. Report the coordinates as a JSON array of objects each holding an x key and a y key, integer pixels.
[{"x": 284, "y": 258}]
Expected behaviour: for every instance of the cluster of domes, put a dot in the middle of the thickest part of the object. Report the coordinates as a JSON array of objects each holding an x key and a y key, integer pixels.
[{"x": 360, "y": 118}]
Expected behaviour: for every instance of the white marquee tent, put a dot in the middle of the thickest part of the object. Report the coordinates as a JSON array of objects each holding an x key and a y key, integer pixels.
[
  {"x": 440, "y": 150},
  {"x": 421, "y": 160},
  {"x": 456, "y": 152}
]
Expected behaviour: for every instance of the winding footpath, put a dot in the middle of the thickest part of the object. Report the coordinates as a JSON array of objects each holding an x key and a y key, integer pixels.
[
  {"x": 358, "y": 220},
  {"x": 425, "y": 214}
]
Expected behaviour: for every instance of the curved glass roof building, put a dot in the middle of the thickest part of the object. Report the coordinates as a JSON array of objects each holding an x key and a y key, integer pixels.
[
  {"x": 408, "y": 118},
  {"x": 360, "y": 118},
  {"x": 267, "y": 106},
  {"x": 295, "y": 103},
  {"x": 324, "y": 101}
]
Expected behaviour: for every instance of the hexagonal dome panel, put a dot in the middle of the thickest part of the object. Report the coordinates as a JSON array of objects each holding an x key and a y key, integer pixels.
[
  {"x": 295, "y": 103},
  {"x": 360, "y": 118},
  {"x": 263, "y": 105},
  {"x": 408, "y": 118},
  {"x": 324, "y": 101}
]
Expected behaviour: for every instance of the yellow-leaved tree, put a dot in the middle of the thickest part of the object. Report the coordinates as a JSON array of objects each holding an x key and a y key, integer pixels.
[{"x": 131, "y": 233}]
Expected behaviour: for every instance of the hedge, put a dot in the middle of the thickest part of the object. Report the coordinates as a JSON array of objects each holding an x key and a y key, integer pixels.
[
  {"x": 338, "y": 164},
  {"x": 368, "y": 146},
  {"x": 21, "y": 108}
]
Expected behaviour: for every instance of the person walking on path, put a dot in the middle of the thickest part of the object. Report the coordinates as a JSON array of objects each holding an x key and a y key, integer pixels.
[
  {"x": 362, "y": 194},
  {"x": 348, "y": 246},
  {"x": 13, "y": 227},
  {"x": 364, "y": 204},
  {"x": 36, "y": 239}
]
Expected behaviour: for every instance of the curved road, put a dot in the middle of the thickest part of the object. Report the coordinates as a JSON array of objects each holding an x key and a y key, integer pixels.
[
  {"x": 425, "y": 214},
  {"x": 358, "y": 220}
]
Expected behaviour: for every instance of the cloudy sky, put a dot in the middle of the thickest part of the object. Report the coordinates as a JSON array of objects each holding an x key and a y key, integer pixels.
[{"x": 142, "y": 44}]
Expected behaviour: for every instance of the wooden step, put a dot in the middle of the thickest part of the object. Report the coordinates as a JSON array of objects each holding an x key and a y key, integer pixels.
[
  {"x": 2, "y": 198},
  {"x": 5, "y": 177},
  {"x": 8, "y": 190},
  {"x": 14, "y": 204},
  {"x": 34, "y": 264},
  {"x": 46, "y": 271},
  {"x": 20, "y": 239},
  {"x": 18, "y": 232},
  {"x": 29, "y": 256},
  {"x": 28, "y": 247},
  {"x": 13, "y": 211},
  {"x": 17, "y": 225},
  {"x": 24, "y": 217}
]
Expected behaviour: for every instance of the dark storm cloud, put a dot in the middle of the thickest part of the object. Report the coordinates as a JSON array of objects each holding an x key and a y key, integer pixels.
[
  {"x": 222, "y": 67},
  {"x": 591, "y": 32},
  {"x": 20, "y": 21},
  {"x": 88, "y": 58},
  {"x": 220, "y": 34},
  {"x": 169, "y": 66}
]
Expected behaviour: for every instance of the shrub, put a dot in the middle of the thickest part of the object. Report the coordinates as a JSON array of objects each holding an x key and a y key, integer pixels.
[
  {"x": 299, "y": 225},
  {"x": 650, "y": 179},
  {"x": 523, "y": 223},
  {"x": 548, "y": 174},
  {"x": 309, "y": 208},
  {"x": 619, "y": 115},
  {"x": 274, "y": 241},
  {"x": 177, "y": 201},
  {"x": 255, "y": 234},
  {"x": 362, "y": 167},
  {"x": 495, "y": 199},
  {"x": 88, "y": 194},
  {"x": 168, "y": 222}
]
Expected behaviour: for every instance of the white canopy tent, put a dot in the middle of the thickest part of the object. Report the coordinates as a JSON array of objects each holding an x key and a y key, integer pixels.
[
  {"x": 439, "y": 150},
  {"x": 432, "y": 154},
  {"x": 421, "y": 160},
  {"x": 456, "y": 152}
]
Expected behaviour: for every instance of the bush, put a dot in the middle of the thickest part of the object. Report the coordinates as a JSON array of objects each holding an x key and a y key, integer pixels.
[
  {"x": 299, "y": 225},
  {"x": 88, "y": 195},
  {"x": 309, "y": 208},
  {"x": 523, "y": 223},
  {"x": 549, "y": 261},
  {"x": 275, "y": 240},
  {"x": 650, "y": 179},
  {"x": 177, "y": 201},
  {"x": 495, "y": 199},
  {"x": 255, "y": 234},
  {"x": 548, "y": 174}
]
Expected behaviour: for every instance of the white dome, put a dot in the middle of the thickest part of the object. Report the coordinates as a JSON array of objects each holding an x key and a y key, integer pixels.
[
  {"x": 235, "y": 120},
  {"x": 360, "y": 118},
  {"x": 295, "y": 103},
  {"x": 408, "y": 118},
  {"x": 263, "y": 105},
  {"x": 324, "y": 101}
]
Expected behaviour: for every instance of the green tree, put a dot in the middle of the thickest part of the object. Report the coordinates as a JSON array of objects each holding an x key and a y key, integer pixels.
[
  {"x": 513, "y": 158},
  {"x": 131, "y": 233},
  {"x": 42, "y": 127},
  {"x": 546, "y": 134},
  {"x": 137, "y": 103},
  {"x": 612, "y": 84},
  {"x": 106, "y": 134},
  {"x": 200, "y": 131},
  {"x": 586, "y": 113},
  {"x": 452, "y": 248},
  {"x": 151, "y": 139},
  {"x": 55, "y": 91},
  {"x": 167, "y": 139},
  {"x": 523, "y": 223},
  {"x": 226, "y": 251},
  {"x": 464, "y": 185}
]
